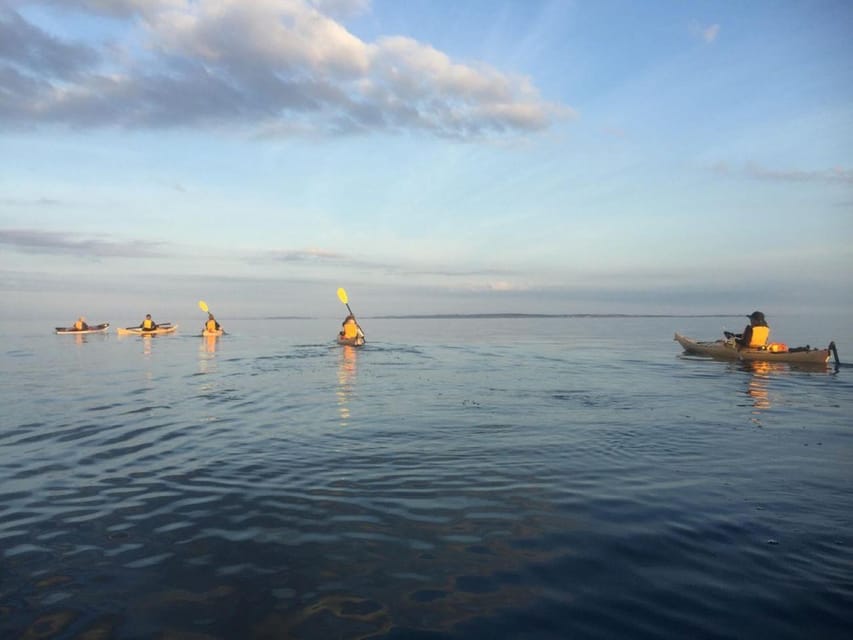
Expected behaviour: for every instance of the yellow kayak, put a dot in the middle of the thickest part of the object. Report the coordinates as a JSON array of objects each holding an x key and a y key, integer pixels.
[{"x": 209, "y": 334}]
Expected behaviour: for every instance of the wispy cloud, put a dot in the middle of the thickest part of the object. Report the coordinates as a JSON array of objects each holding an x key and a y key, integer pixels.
[
  {"x": 280, "y": 68},
  {"x": 67, "y": 243},
  {"x": 306, "y": 255},
  {"x": 484, "y": 277},
  {"x": 706, "y": 33},
  {"x": 757, "y": 172},
  {"x": 36, "y": 202}
]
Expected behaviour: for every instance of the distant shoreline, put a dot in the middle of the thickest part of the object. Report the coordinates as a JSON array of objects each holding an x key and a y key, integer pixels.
[{"x": 519, "y": 316}]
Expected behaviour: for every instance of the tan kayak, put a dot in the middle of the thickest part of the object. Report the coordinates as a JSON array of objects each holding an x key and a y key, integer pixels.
[
  {"x": 728, "y": 350},
  {"x": 352, "y": 342}
]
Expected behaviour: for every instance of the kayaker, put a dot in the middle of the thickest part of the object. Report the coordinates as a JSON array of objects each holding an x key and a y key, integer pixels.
[
  {"x": 755, "y": 334},
  {"x": 211, "y": 324},
  {"x": 148, "y": 324},
  {"x": 81, "y": 325},
  {"x": 350, "y": 328}
]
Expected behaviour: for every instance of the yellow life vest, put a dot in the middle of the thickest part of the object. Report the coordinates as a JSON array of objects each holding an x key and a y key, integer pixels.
[
  {"x": 759, "y": 336},
  {"x": 147, "y": 324},
  {"x": 78, "y": 326},
  {"x": 210, "y": 325},
  {"x": 350, "y": 329}
]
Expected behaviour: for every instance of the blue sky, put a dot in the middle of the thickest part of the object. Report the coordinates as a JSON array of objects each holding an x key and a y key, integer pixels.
[{"x": 429, "y": 156}]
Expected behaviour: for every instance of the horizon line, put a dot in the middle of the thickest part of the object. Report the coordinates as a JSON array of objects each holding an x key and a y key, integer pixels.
[{"x": 510, "y": 316}]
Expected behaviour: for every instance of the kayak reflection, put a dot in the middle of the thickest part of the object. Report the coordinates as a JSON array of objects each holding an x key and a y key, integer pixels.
[
  {"x": 759, "y": 381},
  {"x": 207, "y": 354},
  {"x": 210, "y": 342},
  {"x": 346, "y": 381}
]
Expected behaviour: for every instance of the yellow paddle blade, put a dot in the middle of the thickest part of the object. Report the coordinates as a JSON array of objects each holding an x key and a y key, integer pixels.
[
  {"x": 342, "y": 295},
  {"x": 203, "y": 306}
]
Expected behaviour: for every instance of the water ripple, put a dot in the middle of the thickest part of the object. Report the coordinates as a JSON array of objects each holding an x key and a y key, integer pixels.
[{"x": 439, "y": 490}]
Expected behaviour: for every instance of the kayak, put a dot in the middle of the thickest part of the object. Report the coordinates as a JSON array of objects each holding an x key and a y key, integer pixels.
[
  {"x": 166, "y": 327},
  {"x": 351, "y": 342},
  {"x": 96, "y": 328},
  {"x": 210, "y": 334},
  {"x": 728, "y": 350}
]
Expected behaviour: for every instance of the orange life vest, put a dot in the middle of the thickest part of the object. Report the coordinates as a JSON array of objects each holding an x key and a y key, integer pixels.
[
  {"x": 350, "y": 329},
  {"x": 210, "y": 325},
  {"x": 759, "y": 336},
  {"x": 78, "y": 326}
]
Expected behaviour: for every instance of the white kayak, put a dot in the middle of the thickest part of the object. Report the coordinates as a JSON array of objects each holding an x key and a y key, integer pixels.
[{"x": 96, "y": 328}]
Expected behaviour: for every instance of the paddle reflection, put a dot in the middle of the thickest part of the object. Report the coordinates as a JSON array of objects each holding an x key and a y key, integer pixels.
[{"x": 346, "y": 381}]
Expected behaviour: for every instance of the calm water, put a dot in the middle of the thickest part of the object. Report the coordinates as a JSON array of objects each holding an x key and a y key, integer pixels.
[{"x": 505, "y": 478}]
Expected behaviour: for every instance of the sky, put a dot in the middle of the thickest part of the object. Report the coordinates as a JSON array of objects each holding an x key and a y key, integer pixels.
[{"x": 430, "y": 156}]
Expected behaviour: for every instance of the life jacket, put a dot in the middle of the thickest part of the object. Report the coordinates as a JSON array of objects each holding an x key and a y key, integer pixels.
[
  {"x": 147, "y": 324},
  {"x": 210, "y": 325},
  {"x": 759, "y": 336},
  {"x": 350, "y": 329},
  {"x": 78, "y": 326}
]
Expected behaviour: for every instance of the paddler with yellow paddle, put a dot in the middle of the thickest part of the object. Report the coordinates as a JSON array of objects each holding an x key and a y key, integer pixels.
[
  {"x": 351, "y": 333},
  {"x": 211, "y": 327}
]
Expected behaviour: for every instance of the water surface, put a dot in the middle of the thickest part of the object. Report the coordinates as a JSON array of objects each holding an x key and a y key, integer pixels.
[{"x": 512, "y": 478}]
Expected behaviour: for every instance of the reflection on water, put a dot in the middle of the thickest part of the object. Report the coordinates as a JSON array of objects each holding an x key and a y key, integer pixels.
[
  {"x": 210, "y": 343},
  {"x": 757, "y": 387},
  {"x": 764, "y": 377},
  {"x": 207, "y": 354},
  {"x": 346, "y": 381}
]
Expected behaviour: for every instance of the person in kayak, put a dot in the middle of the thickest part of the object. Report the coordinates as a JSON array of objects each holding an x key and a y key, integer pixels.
[
  {"x": 80, "y": 325},
  {"x": 211, "y": 324},
  {"x": 350, "y": 328},
  {"x": 148, "y": 324},
  {"x": 755, "y": 334}
]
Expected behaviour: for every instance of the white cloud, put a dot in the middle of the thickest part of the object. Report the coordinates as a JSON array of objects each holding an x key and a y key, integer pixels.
[
  {"x": 282, "y": 66},
  {"x": 707, "y": 33}
]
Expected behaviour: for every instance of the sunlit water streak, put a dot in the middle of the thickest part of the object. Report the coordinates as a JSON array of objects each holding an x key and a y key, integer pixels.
[{"x": 544, "y": 478}]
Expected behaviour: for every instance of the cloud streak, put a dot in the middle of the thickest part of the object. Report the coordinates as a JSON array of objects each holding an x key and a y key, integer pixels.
[
  {"x": 61, "y": 243},
  {"x": 274, "y": 68},
  {"x": 834, "y": 175}
]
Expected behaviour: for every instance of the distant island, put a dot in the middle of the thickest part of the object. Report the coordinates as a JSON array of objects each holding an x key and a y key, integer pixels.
[
  {"x": 512, "y": 316},
  {"x": 487, "y": 316}
]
